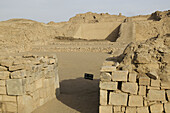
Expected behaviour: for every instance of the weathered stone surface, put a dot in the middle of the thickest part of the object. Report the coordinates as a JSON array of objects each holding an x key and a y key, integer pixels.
[
  {"x": 3, "y": 68},
  {"x": 117, "y": 109},
  {"x": 155, "y": 83},
  {"x": 142, "y": 90},
  {"x": 142, "y": 110},
  {"x": 25, "y": 104},
  {"x": 131, "y": 88},
  {"x": 103, "y": 97},
  {"x": 119, "y": 75},
  {"x": 108, "y": 68},
  {"x": 144, "y": 81},
  {"x": 108, "y": 63},
  {"x": 168, "y": 94},
  {"x": 9, "y": 107},
  {"x": 135, "y": 100},
  {"x": 165, "y": 85},
  {"x": 130, "y": 109},
  {"x": 15, "y": 87},
  {"x": 4, "y": 75},
  {"x": 105, "y": 109},
  {"x": 2, "y": 82},
  {"x": 118, "y": 99},
  {"x": 156, "y": 95},
  {"x": 3, "y": 90},
  {"x": 16, "y": 67},
  {"x": 108, "y": 85},
  {"x": 18, "y": 74},
  {"x": 150, "y": 87},
  {"x": 39, "y": 83},
  {"x": 51, "y": 61},
  {"x": 132, "y": 77},
  {"x": 167, "y": 107},
  {"x": 7, "y": 98},
  {"x": 105, "y": 76},
  {"x": 156, "y": 108}
]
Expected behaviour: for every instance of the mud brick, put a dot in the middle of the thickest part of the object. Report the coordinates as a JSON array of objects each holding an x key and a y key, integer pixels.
[
  {"x": 18, "y": 74},
  {"x": 2, "y": 83},
  {"x": 15, "y": 87},
  {"x": 135, "y": 100},
  {"x": 132, "y": 77},
  {"x": 118, "y": 98},
  {"x": 4, "y": 75},
  {"x": 117, "y": 109},
  {"x": 156, "y": 95},
  {"x": 108, "y": 85},
  {"x": 156, "y": 108},
  {"x": 7, "y": 98},
  {"x": 165, "y": 85},
  {"x": 119, "y": 75},
  {"x": 144, "y": 81},
  {"x": 16, "y": 67},
  {"x": 3, "y": 90},
  {"x": 105, "y": 109},
  {"x": 108, "y": 68},
  {"x": 39, "y": 83},
  {"x": 103, "y": 97},
  {"x": 150, "y": 87},
  {"x": 155, "y": 83},
  {"x": 3, "y": 68},
  {"x": 108, "y": 63},
  {"x": 142, "y": 110},
  {"x": 130, "y": 109},
  {"x": 9, "y": 107},
  {"x": 142, "y": 90},
  {"x": 167, "y": 107},
  {"x": 105, "y": 76},
  {"x": 131, "y": 88}
]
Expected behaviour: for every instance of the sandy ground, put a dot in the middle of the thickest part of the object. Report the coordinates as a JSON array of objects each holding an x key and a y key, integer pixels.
[{"x": 78, "y": 95}]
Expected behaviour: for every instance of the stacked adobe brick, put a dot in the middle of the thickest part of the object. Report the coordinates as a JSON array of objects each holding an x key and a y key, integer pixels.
[
  {"x": 124, "y": 92},
  {"x": 27, "y": 82}
]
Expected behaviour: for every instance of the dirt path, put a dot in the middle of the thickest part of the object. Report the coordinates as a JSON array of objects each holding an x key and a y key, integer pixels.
[{"x": 77, "y": 94}]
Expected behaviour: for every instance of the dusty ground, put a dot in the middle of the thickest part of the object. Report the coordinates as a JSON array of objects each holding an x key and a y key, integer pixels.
[{"x": 77, "y": 94}]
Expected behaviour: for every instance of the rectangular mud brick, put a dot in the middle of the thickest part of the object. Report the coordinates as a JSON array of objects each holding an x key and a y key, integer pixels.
[
  {"x": 119, "y": 75},
  {"x": 131, "y": 88},
  {"x": 156, "y": 108},
  {"x": 105, "y": 109},
  {"x": 144, "y": 81},
  {"x": 88, "y": 76},
  {"x": 103, "y": 97},
  {"x": 143, "y": 110},
  {"x": 118, "y": 99},
  {"x": 104, "y": 76},
  {"x": 135, "y": 100},
  {"x": 108, "y": 85},
  {"x": 108, "y": 68},
  {"x": 156, "y": 95}
]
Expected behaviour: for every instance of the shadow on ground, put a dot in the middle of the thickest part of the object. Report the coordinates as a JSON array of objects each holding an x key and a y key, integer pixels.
[{"x": 80, "y": 94}]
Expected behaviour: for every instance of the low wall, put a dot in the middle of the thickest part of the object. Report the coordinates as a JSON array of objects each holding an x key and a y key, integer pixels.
[
  {"x": 124, "y": 92},
  {"x": 27, "y": 82}
]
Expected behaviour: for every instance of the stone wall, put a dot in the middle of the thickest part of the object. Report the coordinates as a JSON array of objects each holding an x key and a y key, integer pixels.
[
  {"x": 27, "y": 82},
  {"x": 124, "y": 92}
]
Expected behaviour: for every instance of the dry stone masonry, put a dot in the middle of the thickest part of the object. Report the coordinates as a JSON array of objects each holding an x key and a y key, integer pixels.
[
  {"x": 126, "y": 92},
  {"x": 27, "y": 82}
]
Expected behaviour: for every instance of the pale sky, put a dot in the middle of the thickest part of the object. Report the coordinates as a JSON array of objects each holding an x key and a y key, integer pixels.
[{"x": 62, "y": 10}]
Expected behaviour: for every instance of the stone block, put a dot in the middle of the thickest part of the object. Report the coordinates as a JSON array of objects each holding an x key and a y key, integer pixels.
[
  {"x": 150, "y": 88},
  {"x": 108, "y": 85},
  {"x": 142, "y": 110},
  {"x": 105, "y": 76},
  {"x": 167, "y": 107},
  {"x": 3, "y": 68},
  {"x": 6, "y": 63},
  {"x": 117, "y": 109},
  {"x": 168, "y": 94},
  {"x": 165, "y": 85},
  {"x": 4, "y": 75},
  {"x": 105, "y": 109},
  {"x": 3, "y": 90},
  {"x": 131, "y": 88},
  {"x": 155, "y": 83},
  {"x": 132, "y": 77},
  {"x": 103, "y": 97},
  {"x": 39, "y": 83},
  {"x": 118, "y": 99},
  {"x": 142, "y": 90},
  {"x": 119, "y": 75},
  {"x": 156, "y": 108},
  {"x": 108, "y": 63},
  {"x": 135, "y": 100},
  {"x": 7, "y": 98},
  {"x": 15, "y": 87},
  {"x": 156, "y": 95},
  {"x": 130, "y": 109},
  {"x": 108, "y": 68},
  {"x": 25, "y": 104},
  {"x": 18, "y": 74},
  {"x": 16, "y": 67},
  {"x": 144, "y": 81},
  {"x": 9, "y": 107},
  {"x": 2, "y": 83}
]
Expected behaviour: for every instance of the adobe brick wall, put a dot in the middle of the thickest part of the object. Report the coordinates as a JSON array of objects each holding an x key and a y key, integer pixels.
[
  {"x": 124, "y": 92},
  {"x": 27, "y": 82}
]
